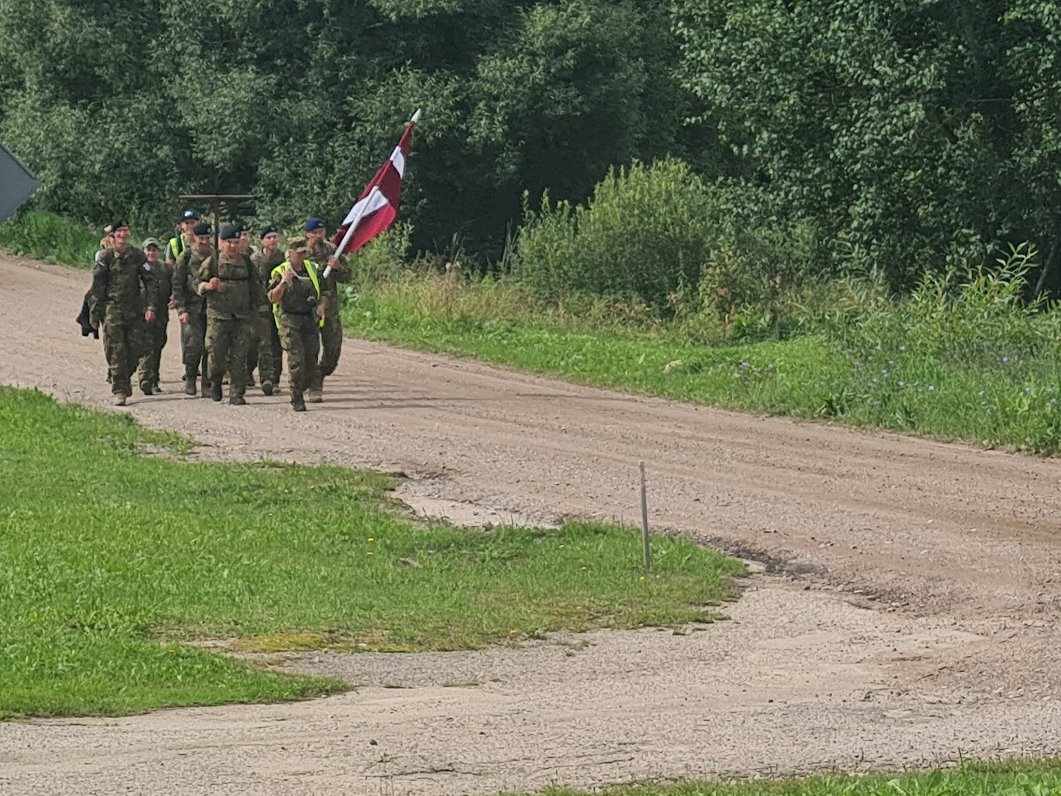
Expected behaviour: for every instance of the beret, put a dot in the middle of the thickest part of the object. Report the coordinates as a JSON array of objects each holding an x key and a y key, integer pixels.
[
  {"x": 202, "y": 228},
  {"x": 229, "y": 232},
  {"x": 313, "y": 223}
]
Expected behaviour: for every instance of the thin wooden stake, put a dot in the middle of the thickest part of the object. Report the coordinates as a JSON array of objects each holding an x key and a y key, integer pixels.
[{"x": 645, "y": 548}]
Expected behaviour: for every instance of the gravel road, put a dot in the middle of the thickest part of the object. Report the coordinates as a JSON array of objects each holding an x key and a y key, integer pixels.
[{"x": 903, "y": 612}]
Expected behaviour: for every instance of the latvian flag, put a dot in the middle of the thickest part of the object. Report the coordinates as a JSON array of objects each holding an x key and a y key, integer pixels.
[{"x": 377, "y": 207}]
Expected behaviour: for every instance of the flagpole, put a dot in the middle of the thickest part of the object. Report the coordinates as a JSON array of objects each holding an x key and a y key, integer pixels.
[{"x": 357, "y": 219}]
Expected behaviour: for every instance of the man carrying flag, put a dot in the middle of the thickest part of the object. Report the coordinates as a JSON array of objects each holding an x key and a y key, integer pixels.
[{"x": 371, "y": 214}]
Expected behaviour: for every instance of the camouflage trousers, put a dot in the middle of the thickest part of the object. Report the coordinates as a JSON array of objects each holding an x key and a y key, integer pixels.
[
  {"x": 227, "y": 342},
  {"x": 125, "y": 341},
  {"x": 266, "y": 354},
  {"x": 300, "y": 338},
  {"x": 331, "y": 335},
  {"x": 157, "y": 337},
  {"x": 193, "y": 344}
]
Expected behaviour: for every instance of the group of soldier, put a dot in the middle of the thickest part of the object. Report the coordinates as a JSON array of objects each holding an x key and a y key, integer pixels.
[{"x": 238, "y": 309}]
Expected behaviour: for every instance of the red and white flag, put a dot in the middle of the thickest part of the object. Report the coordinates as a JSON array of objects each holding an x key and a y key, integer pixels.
[{"x": 377, "y": 206}]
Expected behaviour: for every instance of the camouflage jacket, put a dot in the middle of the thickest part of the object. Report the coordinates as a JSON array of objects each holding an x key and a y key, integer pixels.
[
  {"x": 123, "y": 287},
  {"x": 184, "y": 295},
  {"x": 163, "y": 273},
  {"x": 265, "y": 263},
  {"x": 242, "y": 294}
]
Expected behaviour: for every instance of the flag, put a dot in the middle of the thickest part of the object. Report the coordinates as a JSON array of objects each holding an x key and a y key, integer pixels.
[{"x": 377, "y": 206}]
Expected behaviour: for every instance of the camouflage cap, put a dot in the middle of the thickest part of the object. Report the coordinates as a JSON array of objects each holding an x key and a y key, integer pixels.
[
  {"x": 297, "y": 243},
  {"x": 151, "y": 243}
]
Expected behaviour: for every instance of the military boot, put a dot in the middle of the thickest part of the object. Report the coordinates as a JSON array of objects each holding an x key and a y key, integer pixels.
[
  {"x": 190, "y": 387},
  {"x": 216, "y": 390},
  {"x": 145, "y": 387},
  {"x": 297, "y": 403},
  {"x": 267, "y": 388}
]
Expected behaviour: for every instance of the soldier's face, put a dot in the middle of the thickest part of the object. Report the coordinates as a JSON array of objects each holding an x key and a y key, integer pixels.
[
  {"x": 202, "y": 243},
  {"x": 315, "y": 236},
  {"x": 244, "y": 242},
  {"x": 296, "y": 257},
  {"x": 230, "y": 246},
  {"x": 121, "y": 237},
  {"x": 152, "y": 254},
  {"x": 188, "y": 226},
  {"x": 270, "y": 241}
]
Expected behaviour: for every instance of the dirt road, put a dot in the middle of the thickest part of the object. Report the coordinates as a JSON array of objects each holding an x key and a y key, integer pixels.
[{"x": 908, "y": 614}]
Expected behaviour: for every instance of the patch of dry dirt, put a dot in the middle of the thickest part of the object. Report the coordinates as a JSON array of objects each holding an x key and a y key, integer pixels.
[{"x": 907, "y": 615}]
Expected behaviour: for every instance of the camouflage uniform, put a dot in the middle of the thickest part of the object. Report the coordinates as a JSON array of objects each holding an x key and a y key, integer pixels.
[
  {"x": 299, "y": 327},
  {"x": 193, "y": 333},
  {"x": 157, "y": 337},
  {"x": 265, "y": 352},
  {"x": 116, "y": 301},
  {"x": 332, "y": 331},
  {"x": 231, "y": 315}
]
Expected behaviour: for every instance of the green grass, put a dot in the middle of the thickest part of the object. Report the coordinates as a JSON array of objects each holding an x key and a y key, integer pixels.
[
  {"x": 46, "y": 236},
  {"x": 1013, "y": 778},
  {"x": 987, "y": 373},
  {"x": 114, "y": 553}
]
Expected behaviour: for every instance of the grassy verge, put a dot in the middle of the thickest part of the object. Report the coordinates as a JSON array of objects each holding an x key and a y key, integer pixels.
[
  {"x": 1015, "y": 778},
  {"x": 985, "y": 374},
  {"x": 54, "y": 239},
  {"x": 110, "y": 559}
]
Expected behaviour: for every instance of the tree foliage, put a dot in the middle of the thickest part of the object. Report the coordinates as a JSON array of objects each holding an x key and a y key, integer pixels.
[
  {"x": 120, "y": 107},
  {"x": 917, "y": 132}
]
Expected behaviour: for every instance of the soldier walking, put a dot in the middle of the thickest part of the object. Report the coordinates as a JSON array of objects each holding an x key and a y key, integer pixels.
[
  {"x": 156, "y": 337},
  {"x": 336, "y": 270},
  {"x": 235, "y": 305},
  {"x": 295, "y": 293},
  {"x": 123, "y": 300},
  {"x": 266, "y": 353},
  {"x": 191, "y": 310}
]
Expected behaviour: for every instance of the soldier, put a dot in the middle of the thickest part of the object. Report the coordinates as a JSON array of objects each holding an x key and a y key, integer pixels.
[
  {"x": 235, "y": 304},
  {"x": 185, "y": 239},
  {"x": 191, "y": 310},
  {"x": 295, "y": 290},
  {"x": 149, "y": 361},
  {"x": 266, "y": 353},
  {"x": 117, "y": 302},
  {"x": 335, "y": 270}
]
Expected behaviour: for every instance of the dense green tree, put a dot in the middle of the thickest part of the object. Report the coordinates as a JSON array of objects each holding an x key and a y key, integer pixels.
[
  {"x": 120, "y": 107},
  {"x": 915, "y": 131}
]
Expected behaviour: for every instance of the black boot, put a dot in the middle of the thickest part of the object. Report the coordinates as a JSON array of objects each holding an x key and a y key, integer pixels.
[
  {"x": 215, "y": 391},
  {"x": 297, "y": 403}
]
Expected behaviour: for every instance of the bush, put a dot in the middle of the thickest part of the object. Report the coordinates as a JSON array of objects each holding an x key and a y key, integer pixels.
[{"x": 646, "y": 231}]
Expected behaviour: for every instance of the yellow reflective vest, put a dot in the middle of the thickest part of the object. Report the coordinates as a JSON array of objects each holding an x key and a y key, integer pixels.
[{"x": 314, "y": 278}]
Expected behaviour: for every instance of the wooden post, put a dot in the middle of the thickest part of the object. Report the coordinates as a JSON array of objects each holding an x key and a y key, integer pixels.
[
  {"x": 220, "y": 202},
  {"x": 645, "y": 547}
]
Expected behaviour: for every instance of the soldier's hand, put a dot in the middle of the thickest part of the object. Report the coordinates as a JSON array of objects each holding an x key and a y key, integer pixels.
[
  {"x": 214, "y": 284},
  {"x": 288, "y": 276},
  {"x": 320, "y": 310},
  {"x": 172, "y": 304},
  {"x": 183, "y": 317},
  {"x": 333, "y": 261},
  {"x": 149, "y": 316}
]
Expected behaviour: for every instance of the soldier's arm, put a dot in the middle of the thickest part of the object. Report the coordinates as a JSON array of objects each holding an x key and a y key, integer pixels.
[
  {"x": 203, "y": 276},
  {"x": 150, "y": 281}
]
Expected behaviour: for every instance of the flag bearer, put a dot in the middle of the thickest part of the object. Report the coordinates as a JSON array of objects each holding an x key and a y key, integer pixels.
[{"x": 295, "y": 290}]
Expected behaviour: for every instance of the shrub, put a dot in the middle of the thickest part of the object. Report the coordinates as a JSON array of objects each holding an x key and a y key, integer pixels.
[{"x": 645, "y": 231}]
